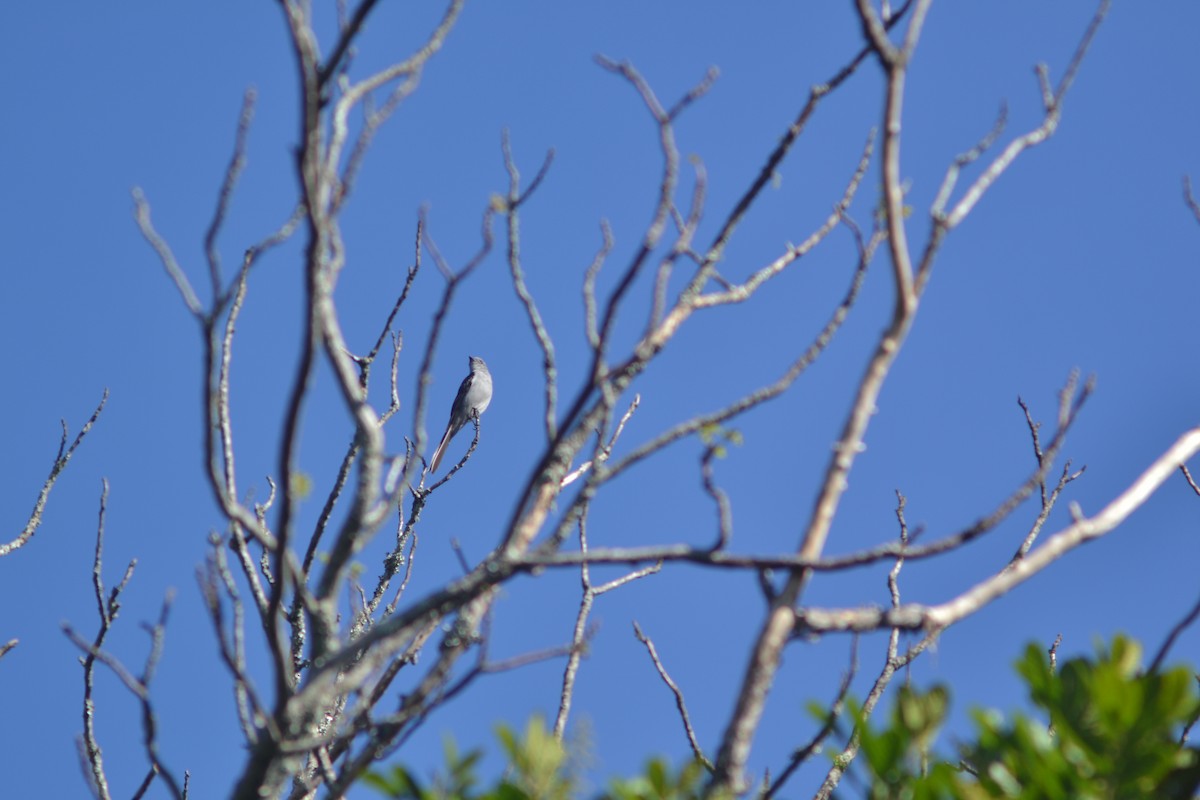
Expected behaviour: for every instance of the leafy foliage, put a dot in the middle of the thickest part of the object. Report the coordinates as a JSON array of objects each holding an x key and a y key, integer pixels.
[
  {"x": 660, "y": 783},
  {"x": 1109, "y": 731},
  {"x": 537, "y": 768},
  {"x": 895, "y": 757}
]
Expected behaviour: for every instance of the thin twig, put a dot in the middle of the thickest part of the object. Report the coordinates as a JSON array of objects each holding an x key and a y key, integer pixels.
[
  {"x": 801, "y": 754},
  {"x": 237, "y": 163},
  {"x": 1188, "y": 477},
  {"x": 582, "y": 633},
  {"x": 60, "y": 463},
  {"x": 515, "y": 199},
  {"x": 679, "y": 701},
  {"x": 1081, "y": 531},
  {"x": 108, "y": 607},
  {"x": 1161, "y": 656},
  {"x": 1190, "y": 199}
]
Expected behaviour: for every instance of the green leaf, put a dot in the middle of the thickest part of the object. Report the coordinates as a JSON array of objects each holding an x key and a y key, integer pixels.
[{"x": 302, "y": 485}]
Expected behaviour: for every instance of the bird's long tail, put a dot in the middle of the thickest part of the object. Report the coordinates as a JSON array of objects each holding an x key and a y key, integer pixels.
[{"x": 441, "y": 449}]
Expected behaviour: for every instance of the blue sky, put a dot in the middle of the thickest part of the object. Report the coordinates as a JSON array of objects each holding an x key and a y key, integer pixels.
[{"x": 1082, "y": 256}]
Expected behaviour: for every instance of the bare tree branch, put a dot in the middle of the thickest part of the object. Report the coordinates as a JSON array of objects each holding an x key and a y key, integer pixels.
[
  {"x": 1052, "y": 100},
  {"x": 340, "y": 651},
  {"x": 1071, "y": 402},
  {"x": 581, "y": 632},
  {"x": 764, "y": 660},
  {"x": 679, "y": 702},
  {"x": 108, "y": 607},
  {"x": 236, "y": 164},
  {"x": 1188, "y": 477},
  {"x": 1190, "y": 199},
  {"x": 1084, "y": 529},
  {"x": 512, "y": 202},
  {"x": 801, "y": 754},
  {"x": 1177, "y": 630},
  {"x": 60, "y": 463},
  {"x": 893, "y": 662},
  {"x": 606, "y": 451},
  {"x": 772, "y": 390}
]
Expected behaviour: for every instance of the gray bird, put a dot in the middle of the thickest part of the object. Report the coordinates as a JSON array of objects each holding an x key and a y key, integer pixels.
[{"x": 474, "y": 395}]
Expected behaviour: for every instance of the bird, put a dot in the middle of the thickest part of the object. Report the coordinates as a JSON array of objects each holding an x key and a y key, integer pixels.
[{"x": 474, "y": 395}]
